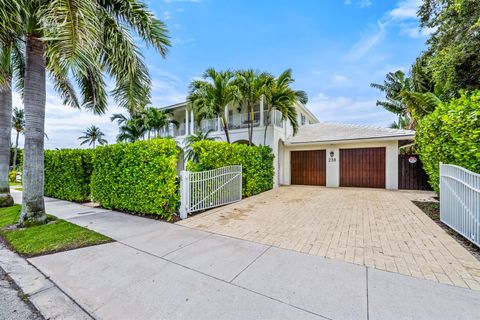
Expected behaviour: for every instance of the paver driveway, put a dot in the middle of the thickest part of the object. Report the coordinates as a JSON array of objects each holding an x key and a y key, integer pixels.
[{"x": 373, "y": 227}]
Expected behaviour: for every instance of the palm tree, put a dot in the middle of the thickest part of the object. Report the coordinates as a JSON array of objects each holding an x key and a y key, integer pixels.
[
  {"x": 11, "y": 64},
  {"x": 18, "y": 123},
  {"x": 252, "y": 85},
  {"x": 408, "y": 97},
  {"x": 92, "y": 135},
  {"x": 80, "y": 38},
  {"x": 132, "y": 130},
  {"x": 210, "y": 96},
  {"x": 280, "y": 96},
  {"x": 156, "y": 119},
  {"x": 191, "y": 139},
  {"x": 402, "y": 123}
]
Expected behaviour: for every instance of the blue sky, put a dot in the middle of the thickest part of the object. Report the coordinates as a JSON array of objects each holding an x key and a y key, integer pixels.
[{"x": 336, "y": 48}]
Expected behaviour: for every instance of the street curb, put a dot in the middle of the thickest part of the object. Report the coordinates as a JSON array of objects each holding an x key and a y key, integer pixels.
[{"x": 50, "y": 300}]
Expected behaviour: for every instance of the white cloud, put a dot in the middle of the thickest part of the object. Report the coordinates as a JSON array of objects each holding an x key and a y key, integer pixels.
[
  {"x": 338, "y": 78},
  {"x": 366, "y": 42},
  {"x": 166, "y": 15},
  {"x": 357, "y": 110},
  {"x": 406, "y": 9},
  {"x": 416, "y": 32},
  {"x": 404, "y": 15},
  {"x": 359, "y": 3}
]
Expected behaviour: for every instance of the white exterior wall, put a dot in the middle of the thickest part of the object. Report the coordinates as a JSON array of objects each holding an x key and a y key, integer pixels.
[{"x": 333, "y": 166}]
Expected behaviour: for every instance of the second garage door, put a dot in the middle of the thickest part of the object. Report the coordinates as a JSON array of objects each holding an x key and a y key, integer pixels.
[
  {"x": 363, "y": 167},
  {"x": 308, "y": 167}
]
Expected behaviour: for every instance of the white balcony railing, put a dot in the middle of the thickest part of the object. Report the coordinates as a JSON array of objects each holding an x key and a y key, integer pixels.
[{"x": 236, "y": 121}]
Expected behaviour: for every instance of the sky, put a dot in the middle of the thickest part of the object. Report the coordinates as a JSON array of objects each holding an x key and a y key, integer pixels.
[{"x": 335, "y": 48}]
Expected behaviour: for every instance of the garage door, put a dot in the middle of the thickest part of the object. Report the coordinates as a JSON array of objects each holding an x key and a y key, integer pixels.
[
  {"x": 363, "y": 167},
  {"x": 308, "y": 167}
]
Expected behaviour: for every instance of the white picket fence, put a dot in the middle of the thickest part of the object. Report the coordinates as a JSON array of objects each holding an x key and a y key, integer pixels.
[
  {"x": 208, "y": 189},
  {"x": 460, "y": 201}
]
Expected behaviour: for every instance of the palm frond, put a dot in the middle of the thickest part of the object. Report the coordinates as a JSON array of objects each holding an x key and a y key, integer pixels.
[{"x": 137, "y": 16}]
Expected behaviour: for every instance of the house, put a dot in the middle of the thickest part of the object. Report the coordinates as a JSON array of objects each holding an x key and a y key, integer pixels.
[{"x": 325, "y": 154}]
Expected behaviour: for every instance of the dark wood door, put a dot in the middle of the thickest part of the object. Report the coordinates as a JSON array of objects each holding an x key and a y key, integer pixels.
[
  {"x": 364, "y": 167},
  {"x": 411, "y": 174},
  {"x": 308, "y": 167}
]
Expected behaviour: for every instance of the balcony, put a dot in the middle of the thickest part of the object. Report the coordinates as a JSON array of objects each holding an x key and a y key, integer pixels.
[{"x": 236, "y": 121}]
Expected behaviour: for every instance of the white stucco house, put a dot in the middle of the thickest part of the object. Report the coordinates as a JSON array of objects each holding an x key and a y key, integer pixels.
[{"x": 326, "y": 154}]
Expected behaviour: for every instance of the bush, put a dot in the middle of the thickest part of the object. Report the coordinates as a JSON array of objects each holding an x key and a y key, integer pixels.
[
  {"x": 12, "y": 176},
  {"x": 451, "y": 134},
  {"x": 138, "y": 177},
  {"x": 257, "y": 163},
  {"x": 67, "y": 174}
]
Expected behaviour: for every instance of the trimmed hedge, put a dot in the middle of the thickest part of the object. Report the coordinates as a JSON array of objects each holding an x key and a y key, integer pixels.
[
  {"x": 138, "y": 177},
  {"x": 257, "y": 163},
  {"x": 451, "y": 135},
  {"x": 67, "y": 174}
]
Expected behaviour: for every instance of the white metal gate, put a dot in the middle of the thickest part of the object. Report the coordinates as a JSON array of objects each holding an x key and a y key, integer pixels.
[
  {"x": 208, "y": 189},
  {"x": 460, "y": 201}
]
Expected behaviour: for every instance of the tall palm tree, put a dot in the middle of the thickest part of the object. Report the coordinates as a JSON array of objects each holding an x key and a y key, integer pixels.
[
  {"x": 132, "y": 130},
  {"x": 93, "y": 135},
  {"x": 251, "y": 85},
  {"x": 18, "y": 123},
  {"x": 280, "y": 96},
  {"x": 210, "y": 96},
  {"x": 191, "y": 139},
  {"x": 11, "y": 65},
  {"x": 81, "y": 38}
]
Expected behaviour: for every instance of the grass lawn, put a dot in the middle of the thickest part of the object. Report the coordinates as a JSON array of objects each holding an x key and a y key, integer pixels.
[
  {"x": 57, "y": 235},
  {"x": 15, "y": 184}
]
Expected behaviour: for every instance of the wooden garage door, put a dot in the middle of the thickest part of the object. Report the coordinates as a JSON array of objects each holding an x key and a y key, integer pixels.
[
  {"x": 308, "y": 167},
  {"x": 363, "y": 167}
]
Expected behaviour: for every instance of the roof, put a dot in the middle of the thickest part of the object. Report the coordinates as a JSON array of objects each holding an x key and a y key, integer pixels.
[
  {"x": 174, "y": 106},
  {"x": 333, "y": 132}
]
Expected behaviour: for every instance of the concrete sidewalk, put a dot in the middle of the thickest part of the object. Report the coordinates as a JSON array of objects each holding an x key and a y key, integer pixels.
[{"x": 158, "y": 270}]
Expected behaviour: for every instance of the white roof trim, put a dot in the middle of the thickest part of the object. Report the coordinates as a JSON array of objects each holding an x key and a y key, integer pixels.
[{"x": 331, "y": 132}]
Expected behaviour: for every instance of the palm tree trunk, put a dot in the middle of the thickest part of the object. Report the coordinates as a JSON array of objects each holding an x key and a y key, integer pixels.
[
  {"x": 33, "y": 205},
  {"x": 266, "y": 124},
  {"x": 15, "y": 151},
  {"x": 93, "y": 144},
  {"x": 225, "y": 128},
  {"x": 250, "y": 124},
  {"x": 6, "y": 199}
]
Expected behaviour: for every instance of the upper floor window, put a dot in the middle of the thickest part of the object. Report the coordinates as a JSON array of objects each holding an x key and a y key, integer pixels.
[{"x": 303, "y": 120}]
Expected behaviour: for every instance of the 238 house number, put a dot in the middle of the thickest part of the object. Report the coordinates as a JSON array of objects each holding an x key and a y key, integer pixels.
[{"x": 332, "y": 159}]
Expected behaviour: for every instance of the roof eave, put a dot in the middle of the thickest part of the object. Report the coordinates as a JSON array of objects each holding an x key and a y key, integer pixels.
[{"x": 338, "y": 141}]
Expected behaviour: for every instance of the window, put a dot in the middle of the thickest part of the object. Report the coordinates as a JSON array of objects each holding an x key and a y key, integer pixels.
[{"x": 303, "y": 120}]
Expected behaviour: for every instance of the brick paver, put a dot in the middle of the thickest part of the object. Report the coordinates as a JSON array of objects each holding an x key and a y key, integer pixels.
[{"x": 378, "y": 228}]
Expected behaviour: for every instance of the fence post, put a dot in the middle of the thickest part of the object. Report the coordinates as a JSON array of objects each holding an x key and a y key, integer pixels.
[{"x": 184, "y": 193}]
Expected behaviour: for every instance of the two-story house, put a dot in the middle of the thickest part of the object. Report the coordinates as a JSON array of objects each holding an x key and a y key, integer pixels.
[{"x": 326, "y": 154}]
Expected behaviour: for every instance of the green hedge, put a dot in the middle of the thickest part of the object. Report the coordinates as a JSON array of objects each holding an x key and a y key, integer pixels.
[
  {"x": 138, "y": 177},
  {"x": 257, "y": 163},
  {"x": 67, "y": 174},
  {"x": 451, "y": 134}
]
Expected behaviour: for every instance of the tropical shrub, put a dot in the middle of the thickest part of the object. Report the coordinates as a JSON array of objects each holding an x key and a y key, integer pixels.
[
  {"x": 67, "y": 174},
  {"x": 451, "y": 134},
  {"x": 138, "y": 177},
  {"x": 257, "y": 163},
  {"x": 12, "y": 176}
]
